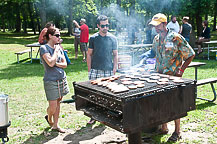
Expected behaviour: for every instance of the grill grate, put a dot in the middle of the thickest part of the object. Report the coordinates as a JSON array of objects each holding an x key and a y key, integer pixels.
[{"x": 149, "y": 87}]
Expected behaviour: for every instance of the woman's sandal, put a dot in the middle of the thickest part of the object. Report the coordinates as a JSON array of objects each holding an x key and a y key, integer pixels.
[
  {"x": 92, "y": 121},
  {"x": 50, "y": 124},
  {"x": 174, "y": 137},
  {"x": 58, "y": 129}
]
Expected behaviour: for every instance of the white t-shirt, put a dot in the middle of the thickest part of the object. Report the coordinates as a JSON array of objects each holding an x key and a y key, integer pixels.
[{"x": 173, "y": 26}]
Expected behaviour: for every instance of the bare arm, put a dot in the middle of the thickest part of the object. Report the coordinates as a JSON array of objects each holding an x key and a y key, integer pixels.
[
  {"x": 180, "y": 31},
  {"x": 50, "y": 60},
  {"x": 62, "y": 64},
  {"x": 76, "y": 23},
  {"x": 184, "y": 66},
  {"x": 89, "y": 54},
  {"x": 115, "y": 60}
]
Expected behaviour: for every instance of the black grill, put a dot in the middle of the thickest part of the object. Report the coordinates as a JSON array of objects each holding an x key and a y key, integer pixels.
[{"x": 131, "y": 112}]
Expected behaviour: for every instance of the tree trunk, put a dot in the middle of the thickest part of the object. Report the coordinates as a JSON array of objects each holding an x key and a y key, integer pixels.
[
  {"x": 192, "y": 39},
  {"x": 119, "y": 2},
  {"x": 199, "y": 24},
  {"x": 37, "y": 17},
  {"x": 18, "y": 19},
  {"x": 101, "y": 4},
  {"x": 70, "y": 17},
  {"x": 30, "y": 8},
  {"x": 43, "y": 13},
  {"x": 24, "y": 17},
  {"x": 206, "y": 16},
  {"x": 3, "y": 23},
  {"x": 132, "y": 7},
  {"x": 215, "y": 14}
]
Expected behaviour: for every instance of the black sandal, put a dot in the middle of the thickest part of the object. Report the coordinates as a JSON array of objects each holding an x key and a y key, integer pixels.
[
  {"x": 46, "y": 117},
  {"x": 174, "y": 137}
]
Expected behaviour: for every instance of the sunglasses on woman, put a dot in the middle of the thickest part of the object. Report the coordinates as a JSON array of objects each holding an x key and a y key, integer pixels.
[{"x": 57, "y": 35}]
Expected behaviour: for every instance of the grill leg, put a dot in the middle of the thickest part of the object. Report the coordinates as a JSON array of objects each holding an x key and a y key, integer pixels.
[{"x": 135, "y": 138}]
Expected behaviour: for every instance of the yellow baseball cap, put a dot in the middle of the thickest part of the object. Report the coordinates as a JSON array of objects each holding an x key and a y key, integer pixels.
[{"x": 158, "y": 19}]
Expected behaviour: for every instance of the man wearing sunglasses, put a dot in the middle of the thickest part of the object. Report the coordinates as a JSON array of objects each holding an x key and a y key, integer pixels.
[{"x": 102, "y": 52}]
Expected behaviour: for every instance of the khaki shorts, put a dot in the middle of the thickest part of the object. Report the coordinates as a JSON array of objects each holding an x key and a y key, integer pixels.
[
  {"x": 83, "y": 46},
  {"x": 56, "y": 89}
]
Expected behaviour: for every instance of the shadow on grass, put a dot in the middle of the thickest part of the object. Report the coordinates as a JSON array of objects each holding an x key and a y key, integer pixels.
[
  {"x": 210, "y": 64},
  {"x": 42, "y": 138},
  {"x": 85, "y": 133},
  {"x": 26, "y": 69},
  {"x": 204, "y": 105},
  {"x": 24, "y": 39}
]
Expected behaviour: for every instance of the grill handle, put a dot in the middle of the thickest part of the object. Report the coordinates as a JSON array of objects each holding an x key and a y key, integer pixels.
[{"x": 69, "y": 100}]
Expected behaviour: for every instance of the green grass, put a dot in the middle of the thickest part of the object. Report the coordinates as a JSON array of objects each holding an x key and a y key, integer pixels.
[{"x": 27, "y": 105}]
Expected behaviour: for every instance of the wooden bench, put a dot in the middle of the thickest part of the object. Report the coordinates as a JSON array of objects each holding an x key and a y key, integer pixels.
[
  {"x": 205, "y": 48},
  {"x": 215, "y": 54},
  {"x": 210, "y": 81},
  {"x": 23, "y": 52}
]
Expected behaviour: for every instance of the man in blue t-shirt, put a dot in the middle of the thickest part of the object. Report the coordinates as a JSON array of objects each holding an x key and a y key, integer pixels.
[{"x": 102, "y": 53}]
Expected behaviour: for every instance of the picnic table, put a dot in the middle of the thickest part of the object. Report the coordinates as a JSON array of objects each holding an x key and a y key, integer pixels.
[
  {"x": 209, "y": 43},
  {"x": 37, "y": 45},
  {"x": 210, "y": 81},
  {"x": 133, "y": 50},
  {"x": 32, "y": 46}
]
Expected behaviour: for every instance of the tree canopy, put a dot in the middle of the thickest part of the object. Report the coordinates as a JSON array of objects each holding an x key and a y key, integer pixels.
[{"x": 18, "y": 15}]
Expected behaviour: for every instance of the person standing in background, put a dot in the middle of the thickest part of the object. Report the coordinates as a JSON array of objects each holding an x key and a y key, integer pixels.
[
  {"x": 42, "y": 39},
  {"x": 185, "y": 29},
  {"x": 84, "y": 36},
  {"x": 76, "y": 33},
  {"x": 148, "y": 29},
  {"x": 173, "y": 25},
  {"x": 65, "y": 53},
  {"x": 55, "y": 83},
  {"x": 153, "y": 33},
  {"x": 102, "y": 53}
]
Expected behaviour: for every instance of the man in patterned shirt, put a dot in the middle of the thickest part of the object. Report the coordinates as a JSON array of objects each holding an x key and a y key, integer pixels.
[{"x": 173, "y": 55}]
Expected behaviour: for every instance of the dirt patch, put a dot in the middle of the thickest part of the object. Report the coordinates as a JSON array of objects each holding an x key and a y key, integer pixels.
[{"x": 90, "y": 135}]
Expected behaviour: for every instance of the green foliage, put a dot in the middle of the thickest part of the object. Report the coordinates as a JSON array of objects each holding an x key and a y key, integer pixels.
[
  {"x": 27, "y": 103},
  {"x": 59, "y": 11}
]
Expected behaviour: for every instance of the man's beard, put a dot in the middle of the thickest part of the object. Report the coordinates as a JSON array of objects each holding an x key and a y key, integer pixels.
[{"x": 104, "y": 31}]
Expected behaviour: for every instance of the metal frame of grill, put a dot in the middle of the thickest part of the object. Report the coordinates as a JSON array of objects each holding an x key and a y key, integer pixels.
[{"x": 131, "y": 112}]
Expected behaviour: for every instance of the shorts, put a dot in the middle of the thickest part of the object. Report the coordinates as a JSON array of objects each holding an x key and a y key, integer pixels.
[
  {"x": 94, "y": 74},
  {"x": 56, "y": 89},
  {"x": 83, "y": 46},
  {"x": 76, "y": 43}
]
